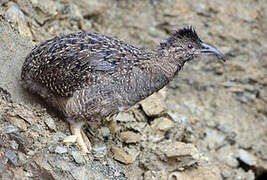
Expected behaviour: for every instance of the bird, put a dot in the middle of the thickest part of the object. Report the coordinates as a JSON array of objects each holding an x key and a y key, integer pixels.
[{"x": 89, "y": 76}]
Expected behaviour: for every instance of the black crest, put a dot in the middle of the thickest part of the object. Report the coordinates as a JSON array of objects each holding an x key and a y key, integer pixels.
[{"x": 187, "y": 32}]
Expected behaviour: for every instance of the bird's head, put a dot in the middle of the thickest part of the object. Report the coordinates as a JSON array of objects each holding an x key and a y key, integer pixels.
[{"x": 185, "y": 44}]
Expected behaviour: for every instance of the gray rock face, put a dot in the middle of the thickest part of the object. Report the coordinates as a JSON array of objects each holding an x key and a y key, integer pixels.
[
  {"x": 14, "y": 51},
  {"x": 218, "y": 112}
]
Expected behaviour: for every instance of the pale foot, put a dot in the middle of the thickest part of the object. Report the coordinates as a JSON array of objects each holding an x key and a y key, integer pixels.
[{"x": 82, "y": 140}]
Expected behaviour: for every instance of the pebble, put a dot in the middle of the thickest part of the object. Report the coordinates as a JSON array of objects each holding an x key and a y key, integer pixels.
[
  {"x": 100, "y": 148},
  {"x": 8, "y": 129},
  {"x": 104, "y": 131},
  {"x": 200, "y": 173},
  {"x": 37, "y": 127},
  {"x": 178, "y": 149},
  {"x": 124, "y": 117},
  {"x": 22, "y": 158},
  {"x": 14, "y": 145},
  {"x": 247, "y": 157},
  {"x": 154, "y": 105},
  {"x": 50, "y": 123},
  {"x": 61, "y": 149},
  {"x": 121, "y": 156},
  {"x": 20, "y": 174},
  {"x": 78, "y": 157},
  {"x": 14, "y": 13},
  {"x": 11, "y": 155},
  {"x": 59, "y": 135},
  {"x": 20, "y": 123},
  {"x": 130, "y": 137},
  {"x": 137, "y": 126},
  {"x": 16, "y": 16},
  {"x": 163, "y": 124},
  {"x": 3, "y": 162}
]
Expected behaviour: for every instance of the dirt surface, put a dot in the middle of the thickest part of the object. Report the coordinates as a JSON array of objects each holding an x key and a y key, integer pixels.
[{"x": 209, "y": 123}]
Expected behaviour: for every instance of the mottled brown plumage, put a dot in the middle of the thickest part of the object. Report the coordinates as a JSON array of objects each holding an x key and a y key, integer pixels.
[{"x": 90, "y": 76}]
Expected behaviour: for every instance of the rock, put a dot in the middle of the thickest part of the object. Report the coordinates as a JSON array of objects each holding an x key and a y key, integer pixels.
[
  {"x": 47, "y": 7},
  {"x": 50, "y": 123},
  {"x": 155, "y": 175},
  {"x": 14, "y": 145},
  {"x": 227, "y": 155},
  {"x": 124, "y": 117},
  {"x": 162, "y": 123},
  {"x": 133, "y": 152},
  {"x": 37, "y": 128},
  {"x": 178, "y": 153},
  {"x": 104, "y": 131},
  {"x": 130, "y": 137},
  {"x": 177, "y": 149},
  {"x": 214, "y": 138},
  {"x": 121, "y": 156},
  {"x": 61, "y": 149},
  {"x": 8, "y": 129},
  {"x": 20, "y": 174},
  {"x": 22, "y": 158},
  {"x": 100, "y": 148},
  {"x": 247, "y": 157},
  {"x": 78, "y": 157},
  {"x": 200, "y": 173},
  {"x": 11, "y": 155},
  {"x": 154, "y": 105},
  {"x": 20, "y": 123},
  {"x": 16, "y": 16},
  {"x": 59, "y": 135},
  {"x": 137, "y": 126},
  {"x": 3, "y": 162}
]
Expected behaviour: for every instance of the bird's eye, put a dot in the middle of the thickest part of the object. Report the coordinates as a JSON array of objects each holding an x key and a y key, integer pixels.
[{"x": 190, "y": 46}]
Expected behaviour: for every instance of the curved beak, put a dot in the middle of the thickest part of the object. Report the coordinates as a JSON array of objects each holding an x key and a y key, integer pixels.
[{"x": 210, "y": 50}]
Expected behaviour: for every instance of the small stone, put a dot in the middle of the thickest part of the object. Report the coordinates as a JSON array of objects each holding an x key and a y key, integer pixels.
[
  {"x": 179, "y": 150},
  {"x": 78, "y": 157},
  {"x": 199, "y": 173},
  {"x": 15, "y": 15},
  {"x": 52, "y": 147},
  {"x": 124, "y": 117},
  {"x": 20, "y": 174},
  {"x": 121, "y": 155},
  {"x": 11, "y": 155},
  {"x": 50, "y": 123},
  {"x": 22, "y": 158},
  {"x": 163, "y": 124},
  {"x": 3, "y": 161},
  {"x": 37, "y": 127},
  {"x": 27, "y": 115},
  {"x": 154, "y": 105},
  {"x": 104, "y": 131},
  {"x": 14, "y": 145},
  {"x": 20, "y": 123},
  {"x": 61, "y": 150},
  {"x": 8, "y": 129},
  {"x": 70, "y": 139},
  {"x": 137, "y": 126},
  {"x": 247, "y": 157},
  {"x": 100, "y": 148},
  {"x": 130, "y": 137},
  {"x": 59, "y": 135},
  {"x": 134, "y": 153}
]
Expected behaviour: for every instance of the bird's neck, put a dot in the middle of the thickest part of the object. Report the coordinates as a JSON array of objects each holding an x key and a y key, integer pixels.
[
  {"x": 149, "y": 77},
  {"x": 162, "y": 68}
]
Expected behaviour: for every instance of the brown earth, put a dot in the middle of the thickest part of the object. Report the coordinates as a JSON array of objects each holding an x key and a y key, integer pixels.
[{"x": 209, "y": 123}]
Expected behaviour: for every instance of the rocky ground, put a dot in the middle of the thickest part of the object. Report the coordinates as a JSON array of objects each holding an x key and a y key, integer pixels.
[{"x": 209, "y": 123}]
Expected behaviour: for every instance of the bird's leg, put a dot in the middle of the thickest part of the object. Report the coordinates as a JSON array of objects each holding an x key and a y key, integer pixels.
[{"x": 82, "y": 139}]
